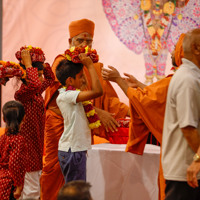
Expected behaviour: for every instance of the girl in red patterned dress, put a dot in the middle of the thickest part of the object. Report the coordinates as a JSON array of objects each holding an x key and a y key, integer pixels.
[
  {"x": 30, "y": 95},
  {"x": 13, "y": 152}
]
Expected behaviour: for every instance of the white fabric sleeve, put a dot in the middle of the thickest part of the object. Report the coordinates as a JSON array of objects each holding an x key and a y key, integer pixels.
[{"x": 187, "y": 107}]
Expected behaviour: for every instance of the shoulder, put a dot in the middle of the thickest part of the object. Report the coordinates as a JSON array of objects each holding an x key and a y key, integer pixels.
[{"x": 65, "y": 95}]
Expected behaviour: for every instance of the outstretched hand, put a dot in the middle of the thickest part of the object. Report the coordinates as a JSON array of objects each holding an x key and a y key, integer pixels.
[
  {"x": 85, "y": 60},
  {"x": 110, "y": 74},
  {"x": 26, "y": 58},
  {"x": 133, "y": 82},
  {"x": 107, "y": 120}
]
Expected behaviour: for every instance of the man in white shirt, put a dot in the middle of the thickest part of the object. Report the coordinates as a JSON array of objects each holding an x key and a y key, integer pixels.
[{"x": 181, "y": 133}]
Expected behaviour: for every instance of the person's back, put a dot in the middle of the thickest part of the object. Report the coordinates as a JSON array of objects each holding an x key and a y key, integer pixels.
[
  {"x": 38, "y": 77},
  {"x": 181, "y": 129},
  {"x": 13, "y": 152}
]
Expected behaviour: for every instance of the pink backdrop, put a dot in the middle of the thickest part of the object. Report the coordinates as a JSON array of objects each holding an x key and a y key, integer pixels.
[{"x": 44, "y": 23}]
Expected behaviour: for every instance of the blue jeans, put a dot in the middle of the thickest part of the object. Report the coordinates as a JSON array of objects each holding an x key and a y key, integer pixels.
[{"x": 73, "y": 165}]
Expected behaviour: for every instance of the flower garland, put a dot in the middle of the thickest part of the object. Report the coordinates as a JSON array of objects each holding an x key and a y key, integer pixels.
[
  {"x": 10, "y": 69},
  {"x": 93, "y": 119},
  {"x": 72, "y": 54},
  {"x": 37, "y": 55}
]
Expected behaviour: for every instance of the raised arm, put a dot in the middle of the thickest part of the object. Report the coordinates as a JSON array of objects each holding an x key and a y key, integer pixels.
[
  {"x": 112, "y": 74},
  {"x": 33, "y": 83},
  {"x": 48, "y": 77},
  {"x": 96, "y": 89}
]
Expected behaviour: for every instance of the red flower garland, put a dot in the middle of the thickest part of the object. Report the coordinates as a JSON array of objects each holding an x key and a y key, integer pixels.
[
  {"x": 9, "y": 70},
  {"x": 72, "y": 54},
  {"x": 37, "y": 55}
]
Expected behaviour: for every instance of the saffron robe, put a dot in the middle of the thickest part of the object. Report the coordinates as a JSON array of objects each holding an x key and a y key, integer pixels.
[
  {"x": 52, "y": 178},
  {"x": 147, "y": 109}
]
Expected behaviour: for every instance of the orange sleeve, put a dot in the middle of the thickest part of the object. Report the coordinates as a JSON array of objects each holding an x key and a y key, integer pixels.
[
  {"x": 109, "y": 101},
  {"x": 147, "y": 113}
]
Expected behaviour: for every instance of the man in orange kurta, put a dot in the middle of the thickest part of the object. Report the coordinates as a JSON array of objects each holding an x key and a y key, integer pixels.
[
  {"x": 147, "y": 107},
  {"x": 108, "y": 108}
]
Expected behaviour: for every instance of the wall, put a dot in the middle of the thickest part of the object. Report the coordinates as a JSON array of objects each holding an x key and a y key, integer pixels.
[{"x": 44, "y": 23}]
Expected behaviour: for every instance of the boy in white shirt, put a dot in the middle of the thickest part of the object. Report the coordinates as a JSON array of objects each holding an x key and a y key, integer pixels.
[{"x": 76, "y": 137}]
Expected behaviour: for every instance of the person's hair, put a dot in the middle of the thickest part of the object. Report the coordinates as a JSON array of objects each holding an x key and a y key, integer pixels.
[
  {"x": 67, "y": 69},
  {"x": 75, "y": 190},
  {"x": 38, "y": 65},
  {"x": 13, "y": 114}
]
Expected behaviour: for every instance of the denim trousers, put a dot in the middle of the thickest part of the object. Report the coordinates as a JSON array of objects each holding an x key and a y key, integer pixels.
[{"x": 73, "y": 165}]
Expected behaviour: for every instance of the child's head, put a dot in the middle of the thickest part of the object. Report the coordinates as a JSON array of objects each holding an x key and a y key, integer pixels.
[
  {"x": 13, "y": 113},
  {"x": 69, "y": 73},
  {"x": 37, "y": 59}
]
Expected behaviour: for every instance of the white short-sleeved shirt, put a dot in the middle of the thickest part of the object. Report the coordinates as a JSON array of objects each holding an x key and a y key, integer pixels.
[
  {"x": 77, "y": 134},
  {"x": 182, "y": 110}
]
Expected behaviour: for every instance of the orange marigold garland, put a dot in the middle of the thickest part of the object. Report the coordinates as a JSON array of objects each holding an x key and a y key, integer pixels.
[
  {"x": 10, "y": 69},
  {"x": 93, "y": 119},
  {"x": 72, "y": 54},
  {"x": 37, "y": 55}
]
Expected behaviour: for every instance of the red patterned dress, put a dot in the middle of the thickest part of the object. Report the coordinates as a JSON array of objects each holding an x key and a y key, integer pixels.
[
  {"x": 32, "y": 128},
  {"x": 13, "y": 160}
]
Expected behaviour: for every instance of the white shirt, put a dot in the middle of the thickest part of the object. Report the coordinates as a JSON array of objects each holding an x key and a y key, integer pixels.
[
  {"x": 77, "y": 134},
  {"x": 182, "y": 110}
]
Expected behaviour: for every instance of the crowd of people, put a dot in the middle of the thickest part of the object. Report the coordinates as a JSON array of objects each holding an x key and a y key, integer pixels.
[{"x": 81, "y": 106}]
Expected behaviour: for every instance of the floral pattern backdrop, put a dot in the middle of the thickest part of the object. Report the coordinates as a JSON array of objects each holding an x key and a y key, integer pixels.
[{"x": 127, "y": 20}]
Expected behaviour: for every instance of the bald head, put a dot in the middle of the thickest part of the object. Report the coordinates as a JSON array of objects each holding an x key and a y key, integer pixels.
[
  {"x": 75, "y": 190},
  {"x": 191, "y": 40},
  {"x": 191, "y": 46}
]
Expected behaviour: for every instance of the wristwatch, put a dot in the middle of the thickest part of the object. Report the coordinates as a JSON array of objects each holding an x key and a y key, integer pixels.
[{"x": 196, "y": 158}]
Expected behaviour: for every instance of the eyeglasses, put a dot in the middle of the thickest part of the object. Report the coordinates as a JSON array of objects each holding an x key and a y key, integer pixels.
[{"x": 81, "y": 40}]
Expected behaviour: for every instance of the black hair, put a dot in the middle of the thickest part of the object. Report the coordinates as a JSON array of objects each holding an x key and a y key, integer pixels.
[
  {"x": 75, "y": 190},
  {"x": 13, "y": 114},
  {"x": 38, "y": 65},
  {"x": 67, "y": 69}
]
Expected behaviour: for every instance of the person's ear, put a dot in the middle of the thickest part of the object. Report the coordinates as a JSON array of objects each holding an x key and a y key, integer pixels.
[
  {"x": 196, "y": 49},
  {"x": 70, "y": 42},
  {"x": 69, "y": 81}
]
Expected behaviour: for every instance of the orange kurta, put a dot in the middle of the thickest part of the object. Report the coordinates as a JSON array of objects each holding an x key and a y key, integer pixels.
[
  {"x": 147, "y": 109},
  {"x": 52, "y": 178}
]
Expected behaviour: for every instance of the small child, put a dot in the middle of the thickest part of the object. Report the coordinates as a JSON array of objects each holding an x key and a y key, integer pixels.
[
  {"x": 76, "y": 138},
  {"x": 13, "y": 152},
  {"x": 39, "y": 76}
]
